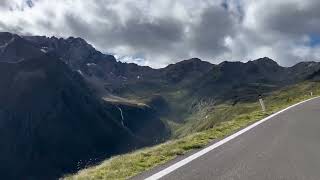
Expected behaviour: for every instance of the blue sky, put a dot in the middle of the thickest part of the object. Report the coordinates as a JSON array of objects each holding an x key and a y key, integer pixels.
[{"x": 314, "y": 40}]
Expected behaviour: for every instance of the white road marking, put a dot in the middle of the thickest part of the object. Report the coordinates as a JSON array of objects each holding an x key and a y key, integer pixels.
[{"x": 192, "y": 157}]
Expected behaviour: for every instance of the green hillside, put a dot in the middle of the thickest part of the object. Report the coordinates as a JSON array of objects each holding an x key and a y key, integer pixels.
[{"x": 207, "y": 123}]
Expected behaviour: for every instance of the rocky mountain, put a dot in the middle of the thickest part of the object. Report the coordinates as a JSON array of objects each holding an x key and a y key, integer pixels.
[
  {"x": 245, "y": 81},
  {"x": 94, "y": 65},
  {"x": 187, "y": 70},
  {"x": 124, "y": 79},
  {"x": 64, "y": 103},
  {"x": 52, "y": 123},
  {"x": 14, "y": 48},
  {"x": 197, "y": 79},
  {"x": 304, "y": 69}
]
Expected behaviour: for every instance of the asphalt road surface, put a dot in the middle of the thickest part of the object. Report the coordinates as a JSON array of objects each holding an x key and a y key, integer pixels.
[{"x": 285, "y": 147}]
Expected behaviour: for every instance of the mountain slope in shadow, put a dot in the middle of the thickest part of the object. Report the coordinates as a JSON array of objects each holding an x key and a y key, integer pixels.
[{"x": 51, "y": 122}]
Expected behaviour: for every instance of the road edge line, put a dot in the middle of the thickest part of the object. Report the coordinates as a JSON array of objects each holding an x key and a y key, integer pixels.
[{"x": 204, "y": 151}]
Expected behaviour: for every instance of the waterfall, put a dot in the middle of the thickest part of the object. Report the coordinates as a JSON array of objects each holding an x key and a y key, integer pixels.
[{"x": 122, "y": 118}]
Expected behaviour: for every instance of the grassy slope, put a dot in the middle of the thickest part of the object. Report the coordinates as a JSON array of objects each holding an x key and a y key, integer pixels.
[{"x": 220, "y": 122}]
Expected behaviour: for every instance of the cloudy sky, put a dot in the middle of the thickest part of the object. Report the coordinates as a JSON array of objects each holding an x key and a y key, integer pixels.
[{"x": 159, "y": 32}]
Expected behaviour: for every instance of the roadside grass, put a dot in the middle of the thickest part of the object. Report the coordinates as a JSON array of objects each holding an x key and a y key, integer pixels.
[{"x": 221, "y": 122}]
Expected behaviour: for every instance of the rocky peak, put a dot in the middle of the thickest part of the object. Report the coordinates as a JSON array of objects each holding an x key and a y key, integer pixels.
[
  {"x": 186, "y": 70},
  {"x": 5, "y": 37},
  {"x": 265, "y": 61},
  {"x": 14, "y": 48},
  {"x": 190, "y": 64}
]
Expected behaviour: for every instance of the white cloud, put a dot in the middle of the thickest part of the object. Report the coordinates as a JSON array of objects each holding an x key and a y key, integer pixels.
[{"x": 166, "y": 31}]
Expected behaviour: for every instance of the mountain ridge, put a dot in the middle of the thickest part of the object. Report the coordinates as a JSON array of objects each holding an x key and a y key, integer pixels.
[
  {"x": 54, "y": 85},
  {"x": 222, "y": 81}
]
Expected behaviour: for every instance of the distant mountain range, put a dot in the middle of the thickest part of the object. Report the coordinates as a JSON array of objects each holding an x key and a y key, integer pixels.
[{"x": 64, "y": 104}]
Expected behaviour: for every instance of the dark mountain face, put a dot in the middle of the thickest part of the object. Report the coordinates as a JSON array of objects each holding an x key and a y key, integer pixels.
[
  {"x": 258, "y": 71},
  {"x": 76, "y": 52},
  {"x": 314, "y": 76},
  {"x": 13, "y": 48},
  {"x": 111, "y": 76},
  {"x": 198, "y": 79},
  {"x": 94, "y": 65},
  {"x": 304, "y": 69},
  {"x": 187, "y": 70},
  {"x": 232, "y": 80},
  {"x": 53, "y": 118},
  {"x": 50, "y": 121}
]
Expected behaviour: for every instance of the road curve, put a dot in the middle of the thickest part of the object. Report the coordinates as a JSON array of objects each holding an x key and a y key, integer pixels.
[{"x": 285, "y": 147}]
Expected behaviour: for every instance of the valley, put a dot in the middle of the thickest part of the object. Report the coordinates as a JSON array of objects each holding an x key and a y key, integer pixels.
[{"x": 66, "y": 106}]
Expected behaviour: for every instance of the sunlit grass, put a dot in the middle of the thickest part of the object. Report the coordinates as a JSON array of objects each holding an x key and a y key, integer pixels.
[{"x": 222, "y": 121}]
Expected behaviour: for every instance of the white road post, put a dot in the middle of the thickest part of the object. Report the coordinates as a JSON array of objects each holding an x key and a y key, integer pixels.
[
  {"x": 311, "y": 93},
  {"x": 262, "y": 104}
]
